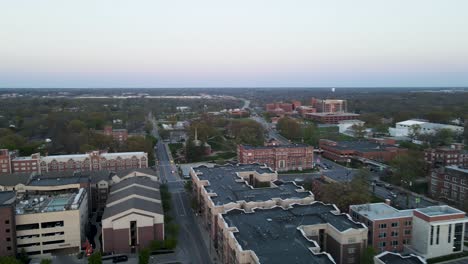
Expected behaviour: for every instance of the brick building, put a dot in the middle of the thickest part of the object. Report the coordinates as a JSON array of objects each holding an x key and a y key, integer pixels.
[
  {"x": 7, "y": 224},
  {"x": 329, "y": 105},
  {"x": 5, "y": 161},
  {"x": 453, "y": 155},
  {"x": 449, "y": 183},
  {"x": 330, "y": 118},
  {"x": 254, "y": 218},
  {"x": 91, "y": 161},
  {"x": 133, "y": 216},
  {"x": 119, "y": 135},
  {"x": 279, "y": 108},
  {"x": 429, "y": 232},
  {"x": 344, "y": 150},
  {"x": 278, "y": 157}
]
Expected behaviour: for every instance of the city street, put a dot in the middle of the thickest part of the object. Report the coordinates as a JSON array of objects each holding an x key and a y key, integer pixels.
[{"x": 190, "y": 248}]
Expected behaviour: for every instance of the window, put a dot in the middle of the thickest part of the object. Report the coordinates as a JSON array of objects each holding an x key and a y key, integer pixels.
[
  {"x": 394, "y": 233},
  {"x": 395, "y": 224},
  {"x": 438, "y": 234},
  {"x": 8, "y": 248},
  {"x": 406, "y": 241},
  {"x": 8, "y": 239},
  {"x": 382, "y": 234},
  {"x": 394, "y": 242},
  {"x": 446, "y": 185},
  {"x": 382, "y": 244},
  {"x": 407, "y": 222},
  {"x": 450, "y": 233},
  {"x": 383, "y": 226},
  {"x": 407, "y": 231},
  {"x": 7, "y": 230},
  {"x": 432, "y": 235},
  {"x": 351, "y": 250},
  {"x": 7, "y": 222}
]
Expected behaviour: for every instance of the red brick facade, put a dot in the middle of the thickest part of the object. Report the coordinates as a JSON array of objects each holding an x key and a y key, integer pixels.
[
  {"x": 279, "y": 158},
  {"x": 446, "y": 156},
  {"x": 120, "y": 135},
  {"x": 118, "y": 240},
  {"x": 7, "y": 231},
  {"x": 449, "y": 184},
  {"x": 342, "y": 151},
  {"x": 331, "y": 118},
  {"x": 91, "y": 161}
]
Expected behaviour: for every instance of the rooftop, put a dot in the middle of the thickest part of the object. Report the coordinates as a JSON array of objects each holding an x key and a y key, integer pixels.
[
  {"x": 274, "y": 236},
  {"x": 411, "y": 122},
  {"x": 395, "y": 258},
  {"x": 35, "y": 203},
  {"x": 439, "y": 210},
  {"x": 376, "y": 211},
  {"x": 457, "y": 169},
  {"x": 7, "y": 197},
  {"x": 361, "y": 146},
  {"x": 332, "y": 114},
  {"x": 229, "y": 187},
  {"x": 277, "y": 146}
]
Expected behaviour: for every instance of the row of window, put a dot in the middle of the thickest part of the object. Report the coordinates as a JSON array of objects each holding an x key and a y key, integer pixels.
[
  {"x": 394, "y": 233},
  {"x": 395, "y": 224}
]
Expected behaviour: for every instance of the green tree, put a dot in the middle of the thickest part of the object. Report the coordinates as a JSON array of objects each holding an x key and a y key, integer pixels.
[
  {"x": 414, "y": 131},
  {"x": 359, "y": 131},
  {"x": 46, "y": 261},
  {"x": 407, "y": 167},
  {"x": 9, "y": 260},
  {"x": 355, "y": 191},
  {"x": 23, "y": 256},
  {"x": 368, "y": 255},
  {"x": 95, "y": 258},
  {"x": 76, "y": 126},
  {"x": 143, "y": 256},
  {"x": 289, "y": 128}
]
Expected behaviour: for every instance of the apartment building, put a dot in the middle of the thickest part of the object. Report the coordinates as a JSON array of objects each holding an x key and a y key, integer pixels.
[
  {"x": 308, "y": 233},
  {"x": 91, "y": 161},
  {"x": 344, "y": 150},
  {"x": 450, "y": 184},
  {"x": 278, "y": 157},
  {"x": 390, "y": 229},
  {"x": 7, "y": 224},
  {"x": 247, "y": 186},
  {"x": 330, "y": 118},
  {"x": 51, "y": 222},
  {"x": 133, "y": 216},
  {"x": 119, "y": 135},
  {"x": 279, "y": 108},
  {"x": 453, "y": 155},
  {"x": 428, "y": 232}
]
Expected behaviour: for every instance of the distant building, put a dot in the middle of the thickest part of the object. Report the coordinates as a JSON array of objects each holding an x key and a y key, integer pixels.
[
  {"x": 429, "y": 232},
  {"x": 279, "y": 108},
  {"x": 404, "y": 128},
  {"x": 7, "y": 224},
  {"x": 91, "y": 161},
  {"x": 346, "y": 126},
  {"x": 238, "y": 113},
  {"x": 343, "y": 151},
  {"x": 329, "y": 105},
  {"x": 119, "y": 135},
  {"x": 330, "y": 118},
  {"x": 449, "y": 183},
  {"x": 133, "y": 216},
  {"x": 278, "y": 157}
]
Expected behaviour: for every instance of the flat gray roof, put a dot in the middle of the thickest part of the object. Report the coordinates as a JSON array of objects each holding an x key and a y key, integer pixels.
[
  {"x": 395, "y": 258},
  {"x": 376, "y": 211},
  {"x": 273, "y": 235},
  {"x": 229, "y": 187},
  {"x": 7, "y": 197},
  {"x": 438, "y": 210},
  {"x": 296, "y": 145},
  {"x": 361, "y": 146}
]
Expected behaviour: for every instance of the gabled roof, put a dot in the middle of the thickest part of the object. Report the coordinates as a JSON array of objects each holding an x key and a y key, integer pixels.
[
  {"x": 135, "y": 189},
  {"x": 133, "y": 203}
]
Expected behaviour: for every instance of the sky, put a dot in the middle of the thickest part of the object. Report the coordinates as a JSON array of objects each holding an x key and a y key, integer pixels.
[{"x": 240, "y": 43}]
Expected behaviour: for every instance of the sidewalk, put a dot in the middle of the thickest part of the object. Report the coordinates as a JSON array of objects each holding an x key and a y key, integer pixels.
[{"x": 206, "y": 239}]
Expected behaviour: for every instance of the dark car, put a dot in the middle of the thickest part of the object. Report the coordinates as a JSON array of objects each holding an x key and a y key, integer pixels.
[{"x": 120, "y": 258}]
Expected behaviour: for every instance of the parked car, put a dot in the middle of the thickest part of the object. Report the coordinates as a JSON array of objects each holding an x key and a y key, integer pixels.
[{"x": 120, "y": 258}]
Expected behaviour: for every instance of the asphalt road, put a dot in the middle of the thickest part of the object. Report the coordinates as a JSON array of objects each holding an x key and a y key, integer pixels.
[
  {"x": 271, "y": 132},
  {"x": 191, "y": 247}
]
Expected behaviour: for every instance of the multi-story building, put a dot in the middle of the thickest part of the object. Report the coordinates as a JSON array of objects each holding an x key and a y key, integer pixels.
[
  {"x": 405, "y": 128},
  {"x": 428, "y": 232},
  {"x": 5, "y": 161},
  {"x": 51, "y": 222},
  {"x": 330, "y": 118},
  {"x": 133, "y": 216},
  {"x": 308, "y": 233},
  {"x": 278, "y": 157},
  {"x": 7, "y": 224},
  {"x": 119, "y": 135},
  {"x": 329, "y": 105},
  {"x": 279, "y": 108},
  {"x": 390, "y": 229},
  {"x": 254, "y": 218},
  {"x": 453, "y": 155},
  {"x": 344, "y": 150},
  {"x": 449, "y": 183},
  {"x": 91, "y": 161}
]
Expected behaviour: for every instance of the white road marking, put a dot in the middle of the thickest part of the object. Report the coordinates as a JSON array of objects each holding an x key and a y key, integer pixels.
[{"x": 182, "y": 204}]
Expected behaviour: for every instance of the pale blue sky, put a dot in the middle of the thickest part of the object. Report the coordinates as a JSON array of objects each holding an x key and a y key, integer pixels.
[{"x": 240, "y": 43}]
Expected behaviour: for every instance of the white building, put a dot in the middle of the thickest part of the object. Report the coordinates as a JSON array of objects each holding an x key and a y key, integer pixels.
[
  {"x": 345, "y": 125},
  {"x": 403, "y": 129},
  {"x": 438, "y": 231}
]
